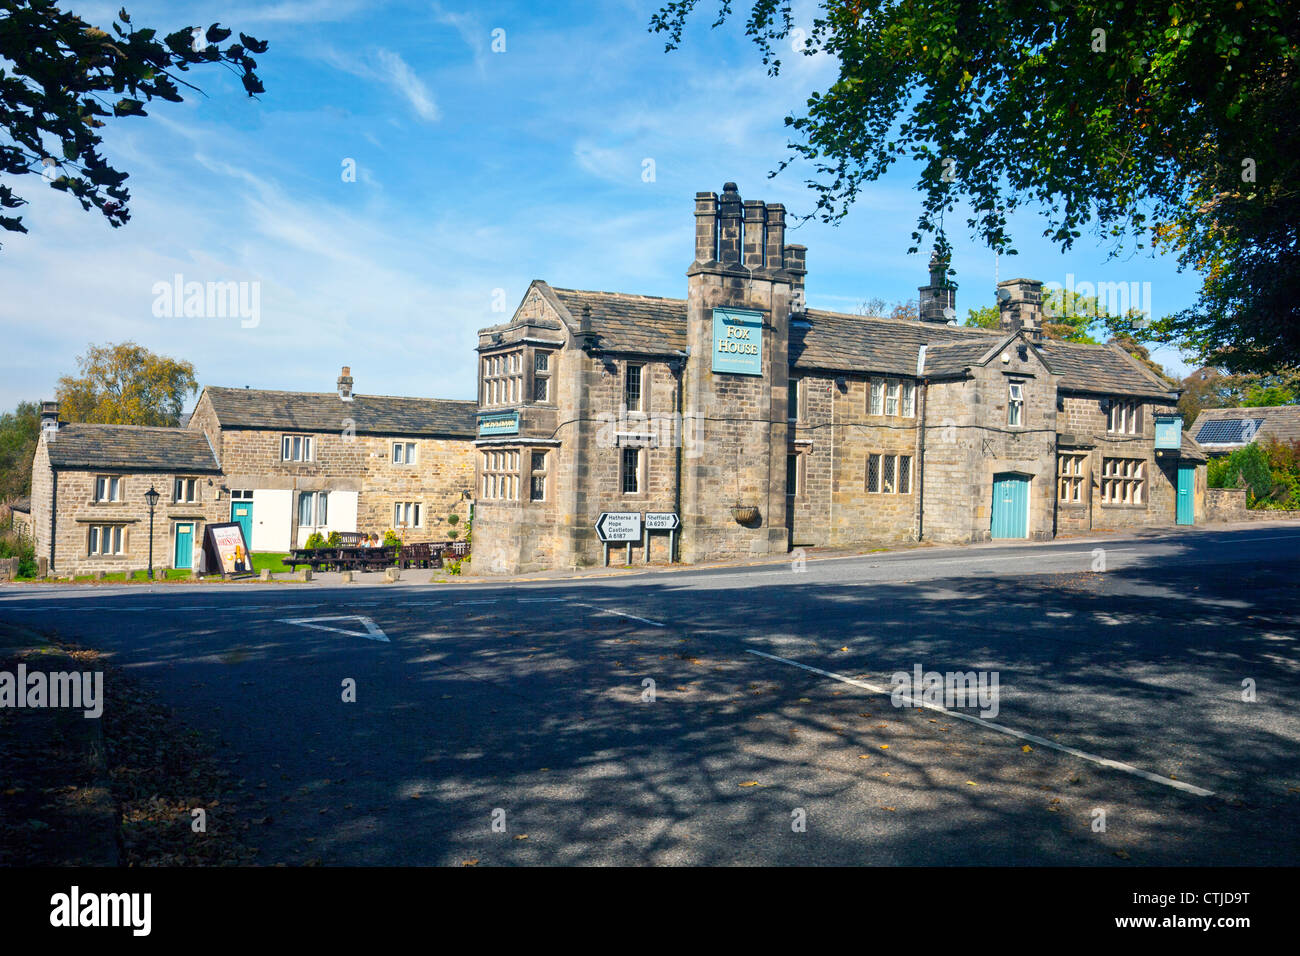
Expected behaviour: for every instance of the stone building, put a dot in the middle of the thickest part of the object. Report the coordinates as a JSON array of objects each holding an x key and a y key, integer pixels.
[
  {"x": 88, "y": 507},
  {"x": 1221, "y": 431},
  {"x": 765, "y": 425},
  {"x": 294, "y": 463}
]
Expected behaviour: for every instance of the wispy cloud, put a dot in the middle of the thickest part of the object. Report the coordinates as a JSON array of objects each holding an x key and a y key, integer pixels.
[{"x": 387, "y": 67}]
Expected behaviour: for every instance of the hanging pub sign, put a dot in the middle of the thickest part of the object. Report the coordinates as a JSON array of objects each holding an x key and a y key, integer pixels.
[
  {"x": 225, "y": 550},
  {"x": 738, "y": 341}
]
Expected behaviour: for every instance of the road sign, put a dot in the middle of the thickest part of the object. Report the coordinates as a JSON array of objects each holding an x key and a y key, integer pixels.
[
  {"x": 662, "y": 521},
  {"x": 619, "y": 526}
]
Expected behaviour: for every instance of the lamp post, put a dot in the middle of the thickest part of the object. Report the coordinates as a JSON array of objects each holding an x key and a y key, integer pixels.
[{"x": 151, "y": 499}]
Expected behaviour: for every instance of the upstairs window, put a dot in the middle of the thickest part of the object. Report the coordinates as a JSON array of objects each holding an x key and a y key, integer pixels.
[
  {"x": 876, "y": 398},
  {"x": 503, "y": 378},
  {"x": 891, "y": 397},
  {"x": 404, "y": 453},
  {"x": 632, "y": 388},
  {"x": 296, "y": 448},
  {"x": 541, "y": 376},
  {"x": 1015, "y": 404},
  {"x": 108, "y": 488},
  {"x": 631, "y": 470},
  {"x": 909, "y": 400},
  {"x": 185, "y": 490},
  {"x": 795, "y": 393},
  {"x": 1125, "y": 417}
]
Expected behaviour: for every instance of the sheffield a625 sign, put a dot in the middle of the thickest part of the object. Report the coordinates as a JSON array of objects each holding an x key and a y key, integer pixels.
[{"x": 738, "y": 341}]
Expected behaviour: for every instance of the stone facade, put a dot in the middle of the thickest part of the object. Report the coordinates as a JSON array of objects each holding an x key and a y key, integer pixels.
[{"x": 878, "y": 441}]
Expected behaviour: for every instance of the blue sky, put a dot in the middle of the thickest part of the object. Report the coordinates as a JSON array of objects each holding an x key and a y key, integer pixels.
[{"x": 477, "y": 171}]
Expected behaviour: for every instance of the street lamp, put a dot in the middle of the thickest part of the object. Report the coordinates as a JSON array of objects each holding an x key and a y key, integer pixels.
[{"x": 151, "y": 499}]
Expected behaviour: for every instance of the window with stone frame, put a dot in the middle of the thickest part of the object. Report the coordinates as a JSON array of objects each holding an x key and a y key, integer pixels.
[
  {"x": 1015, "y": 403},
  {"x": 501, "y": 474},
  {"x": 908, "y": 409},
  {"x": 541, "y": 376},
  {"x": 634, "y": 387},
  {"x": 1123, "y": 481},
  {"x": 296, "y": 448},
  {"x": 404, "y": 452},
  {"x": 876, "y": 397},
  {"x": 407, "y": 514},
  {"x": 185, "y": 490},
  {"x": 108, "y": 488},
  {"x": 632, "y": 469},
  {"x": 889, "y": 474},
  {"x": 537, "y": 483},
  {"x": 795, "y": 400},
  {"x": 106, "y": 539},
  {"x": 503, "y": 378},
  {"x": 796, "y": 475},
  {"x": 892, "y": 389},
  {"x": 1071, "y": 478},
  {"x": 1124, "y": 417}
]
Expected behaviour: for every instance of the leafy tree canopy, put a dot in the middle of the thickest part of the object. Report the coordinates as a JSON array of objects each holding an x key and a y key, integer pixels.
[
  {"x": 19, "y": 431},
  {"x": 1171, "y": 123},
  {"x": 126, "y": 384},
  {"x": 61, "y": 79}
]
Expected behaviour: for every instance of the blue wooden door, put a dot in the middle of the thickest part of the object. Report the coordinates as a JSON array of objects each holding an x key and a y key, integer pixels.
[
  {"x": 1010, "y": 506},
  {"x": 1186, "y": 489},
  {"x": 242, "y": 512},
  {"x": 184, "y": 557}
]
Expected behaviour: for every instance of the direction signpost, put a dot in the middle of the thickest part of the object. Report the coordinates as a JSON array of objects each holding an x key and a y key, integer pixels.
[
  {"x": 619, "y": 527},
  {"x": 662, "y": 521}
]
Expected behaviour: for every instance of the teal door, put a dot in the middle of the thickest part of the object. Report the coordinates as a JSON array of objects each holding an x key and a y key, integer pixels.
[
  {"x": 242, "y": 512},
  {"x": 1186, "y": 489},
  {"x": 1010, "y": 506},
  {"x": 184, "y": 546}
]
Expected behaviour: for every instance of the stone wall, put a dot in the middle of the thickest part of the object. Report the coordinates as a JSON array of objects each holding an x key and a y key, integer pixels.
[{"x": 1226, "y": 504}]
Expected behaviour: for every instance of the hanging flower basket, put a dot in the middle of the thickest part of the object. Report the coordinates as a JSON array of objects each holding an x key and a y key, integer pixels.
[{"x": 744, "y": 514}]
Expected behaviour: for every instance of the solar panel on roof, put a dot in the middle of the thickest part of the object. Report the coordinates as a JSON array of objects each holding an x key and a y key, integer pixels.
[{"x": 1228, "y": 431}]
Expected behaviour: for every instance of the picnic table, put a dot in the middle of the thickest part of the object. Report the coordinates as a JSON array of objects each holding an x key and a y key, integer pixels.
[{"x": 352, "y": 557}]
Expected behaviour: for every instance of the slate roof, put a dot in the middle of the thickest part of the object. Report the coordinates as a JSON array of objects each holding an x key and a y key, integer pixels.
[
  {"x": 645, "y": 324},
  {"x": 22, "y": 504},
  {"x": 1102, "y": 369},
  {"x": 134, "y": 447},
  {"x": 1191, "y": 451},
  {"x": 325, "y": 412},
  {"x": 837, "y": 342},
  {"x": 1281, "y": 422}
]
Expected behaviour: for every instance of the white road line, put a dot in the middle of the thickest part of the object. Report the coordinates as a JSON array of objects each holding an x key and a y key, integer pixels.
[
  {"x": 371, "y": 633},
  {"x": 610, "y": 610},
  {"x": 539, "y": 600},
  {"x": 989, "y": 725},
  {"x": 488, "y": 601}
]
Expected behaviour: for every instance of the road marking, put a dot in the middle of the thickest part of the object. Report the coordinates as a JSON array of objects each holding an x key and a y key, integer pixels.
[
  {"x": 1000, "y": 728},
  {"x": 488, "y": 601},
  {"x": 539, "y": 600},
  {"x": 610, "y": 610},
  {"x": 372, "y": 631}
]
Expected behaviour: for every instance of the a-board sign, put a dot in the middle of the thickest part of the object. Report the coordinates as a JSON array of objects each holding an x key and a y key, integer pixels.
[
  {"x": 226, "y": 549},
  {"x": 662, "y": 521},
  {"x": 619, "y": 526}
]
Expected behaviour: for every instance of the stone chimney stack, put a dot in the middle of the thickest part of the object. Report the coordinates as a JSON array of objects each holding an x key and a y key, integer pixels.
[
  {"x": 755, "y": 222},
  {"x": 49, "y": 420},
  {"x": 706, "y": 227},
  {"x": 796, "y": 263},
  {"x": 937, "y": 302},
  {"x": 345, "y": 384},
  {"x": 1020, "y": 306},
  {"x": 774, "y": 254},
  {"x": 729, "y": 226}
]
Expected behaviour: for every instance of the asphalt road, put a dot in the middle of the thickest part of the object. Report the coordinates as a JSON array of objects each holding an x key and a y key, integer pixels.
[{"x": 526, "y": 706}]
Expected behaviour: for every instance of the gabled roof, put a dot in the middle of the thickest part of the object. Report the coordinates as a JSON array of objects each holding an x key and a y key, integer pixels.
[
  {"x": 837, "y": 342},
  {"x": 326, "y": 412},
  {"x": 1281, "y": 422},
  {"x": 134, "y": 447},
  {"x": 1102, "y": 370},
  {"x": 644, "y": 324}
]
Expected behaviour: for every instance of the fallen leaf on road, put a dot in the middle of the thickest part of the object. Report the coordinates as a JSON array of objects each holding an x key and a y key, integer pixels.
[
  {"x": 750, "y": 783},
  {"x": 1027, "y": 749},
  {"x": 1121, "y": 854}
]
